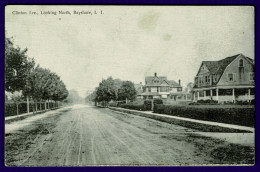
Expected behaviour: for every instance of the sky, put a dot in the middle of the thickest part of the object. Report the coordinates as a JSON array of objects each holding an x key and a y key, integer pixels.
[{"x": 129, "y": 42}]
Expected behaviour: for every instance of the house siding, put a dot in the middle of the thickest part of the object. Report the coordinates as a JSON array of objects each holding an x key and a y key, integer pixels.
[{"x": 233, "y": 67}]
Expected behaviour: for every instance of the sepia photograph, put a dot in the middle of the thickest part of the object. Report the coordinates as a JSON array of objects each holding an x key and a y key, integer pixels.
[{"x": 126, "y": 85}]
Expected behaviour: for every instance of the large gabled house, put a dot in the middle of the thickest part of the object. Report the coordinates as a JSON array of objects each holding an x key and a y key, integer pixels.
[
  {"x": 159, "y": 87},
  {"x": 228, "y": 80}
]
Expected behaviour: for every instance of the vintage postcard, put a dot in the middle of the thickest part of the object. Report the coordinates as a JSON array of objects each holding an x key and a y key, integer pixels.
[{"x": 96, "y": 85}]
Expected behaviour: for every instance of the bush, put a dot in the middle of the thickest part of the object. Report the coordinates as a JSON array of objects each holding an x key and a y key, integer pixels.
[
  {"x": 148, "y": 105},
  {"x": 207, "y": 101},
  {"x": 231, "y": 115},
  {"x": 133, "y": 107},
  {"x": 157, "y": 102},
  {"x": 113, "y": 104},
  {"x": 245, "y": 102}
]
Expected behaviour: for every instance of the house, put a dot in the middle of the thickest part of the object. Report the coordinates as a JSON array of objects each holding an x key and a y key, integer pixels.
[
  {"x": 227, "y": 80},
  {"x": 139, "y": 90},
  {"x": 159, "y": 87}
]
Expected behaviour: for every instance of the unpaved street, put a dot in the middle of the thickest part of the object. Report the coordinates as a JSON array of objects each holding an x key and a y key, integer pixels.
[{"x": 84, "y": 135}]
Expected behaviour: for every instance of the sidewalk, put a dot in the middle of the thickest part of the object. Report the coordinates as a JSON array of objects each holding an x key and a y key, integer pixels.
[{"x": 231, "y": 126}]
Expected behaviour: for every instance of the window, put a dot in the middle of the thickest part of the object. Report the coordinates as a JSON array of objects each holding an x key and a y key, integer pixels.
[
  {"x": 200, "y": 79},
  {"x": 207, "y": 79},
  {"x": 231, "y": 77},
  {"x": 149, "y": 89},
  {"x": 179, "y": 89},
  {"x": 164, "y": 89},
  {"x": 241, "y": 63},
  {"x": 215, "y": 77},
  {"x": 251, "y": 76}
]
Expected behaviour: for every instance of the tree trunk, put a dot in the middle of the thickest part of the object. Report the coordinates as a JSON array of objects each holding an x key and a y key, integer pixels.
[
  {"x": 126, "y": 100},
  {"x": 36, "y": 106},
  {"x": 28, "y": 105},
  {"x": 17, "y": 109},
  {"x": 40, "y": 106}
]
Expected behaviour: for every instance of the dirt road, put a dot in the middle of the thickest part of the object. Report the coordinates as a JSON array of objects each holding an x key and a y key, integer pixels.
[{"x": 84, "y": 135}]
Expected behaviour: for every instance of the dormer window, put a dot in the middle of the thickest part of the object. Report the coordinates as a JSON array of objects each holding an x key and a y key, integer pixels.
[
  {"x": 215, "y": 77},
  {"x": 231, "y": 77},
  {"x": 241, "y": 63}
]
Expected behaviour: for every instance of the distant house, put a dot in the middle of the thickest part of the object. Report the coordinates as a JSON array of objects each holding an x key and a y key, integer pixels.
[
  {"x": 139, "y": 90},
  {"x": 230, "y": 79},
  {"x": 159, "y": 87}
]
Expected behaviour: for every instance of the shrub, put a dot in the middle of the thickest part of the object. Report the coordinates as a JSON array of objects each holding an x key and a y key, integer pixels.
[
  {"x": 148, "y": 105},
  {"x": 133, "y": 107},
  {"x": 157, "y": 102},
  {"x": 113, "y": 104},
  {"x": 209, "y": 102},
  {"x": 231, "y": 115}
]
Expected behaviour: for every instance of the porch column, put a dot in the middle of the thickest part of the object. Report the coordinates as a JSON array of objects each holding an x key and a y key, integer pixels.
[
  {"x": 194, "y": 97},
  {"x": 211, "y": 95},
  {"x": 217, "y": 94},
  {"x": 249, "y": 94},
  {"x": 233, "y": 94},
  {"x": 204, "y": 94},
  {"x": 198, "y": 94},
  {"x": 186, "y": 96}
]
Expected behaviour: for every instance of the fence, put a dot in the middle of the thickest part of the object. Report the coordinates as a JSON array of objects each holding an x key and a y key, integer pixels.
[{"x": 12, "y": 109}]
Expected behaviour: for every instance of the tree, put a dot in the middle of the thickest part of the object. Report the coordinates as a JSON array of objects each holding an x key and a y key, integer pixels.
[
  {"x": 73, "y": 97},
  {"x": 17, "y": 66},
  {"x": 42, "y": 84},
  {"x": 189, "y": 87},
  {"x": 91, "y": 97},
  {"x": 17, "y": 98},
  {"x": 106, "y": 91},
  {"x": 127, "y": 91}
]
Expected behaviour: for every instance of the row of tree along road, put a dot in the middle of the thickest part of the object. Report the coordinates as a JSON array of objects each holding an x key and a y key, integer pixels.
[
  {"x": 28, "y": 83},
  {"x": 112, "y": 90}
]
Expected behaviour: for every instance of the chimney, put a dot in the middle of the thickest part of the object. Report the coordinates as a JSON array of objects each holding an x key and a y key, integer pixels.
[
  {"x": 179, "y": 82},
  {"x": 155, "y": 74}
]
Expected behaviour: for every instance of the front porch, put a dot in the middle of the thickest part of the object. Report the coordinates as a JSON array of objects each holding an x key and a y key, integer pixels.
[{"x": 225, "y": 94}]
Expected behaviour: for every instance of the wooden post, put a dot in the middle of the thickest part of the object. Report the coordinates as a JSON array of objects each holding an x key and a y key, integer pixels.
[
  {"x": 152, "y": 105},
  {"x": 217, "y": 93},
  {"x": 233, "y": 94},
  {"x": 249, "y": 95}
]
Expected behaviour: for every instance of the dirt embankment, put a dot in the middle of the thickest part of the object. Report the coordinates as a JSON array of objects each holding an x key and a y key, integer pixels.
[{"x": 92, "y": 136}]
